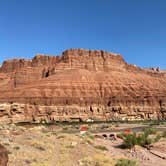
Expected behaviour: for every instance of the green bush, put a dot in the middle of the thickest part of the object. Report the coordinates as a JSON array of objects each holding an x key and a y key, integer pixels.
[
  {"x": 126, "y": 162},
  {"x": 130, "y": 140},
  {"x": 149, "y": 131},
  {"x": 141, "y": 140}
]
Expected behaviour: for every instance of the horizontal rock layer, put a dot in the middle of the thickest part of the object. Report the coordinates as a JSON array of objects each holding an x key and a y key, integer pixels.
[{"x": 80, "y": 84}]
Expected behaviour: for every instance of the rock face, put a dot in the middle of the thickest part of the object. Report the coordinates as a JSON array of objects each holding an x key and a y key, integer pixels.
[
  {"x": 80, "y": 85},
  {"x": 3, "y": 156}
]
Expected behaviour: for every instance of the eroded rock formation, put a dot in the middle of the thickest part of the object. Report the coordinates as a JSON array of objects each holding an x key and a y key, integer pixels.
[
  {"x": 3, "y": 156},
  {"x": 80, "y": 84}
]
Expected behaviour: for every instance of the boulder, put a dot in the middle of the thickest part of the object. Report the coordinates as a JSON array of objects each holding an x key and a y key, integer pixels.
[{"x": 3, "y": 156}]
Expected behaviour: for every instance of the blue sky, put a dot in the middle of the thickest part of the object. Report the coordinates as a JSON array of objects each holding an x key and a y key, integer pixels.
[{"x": 134, "y": 28}]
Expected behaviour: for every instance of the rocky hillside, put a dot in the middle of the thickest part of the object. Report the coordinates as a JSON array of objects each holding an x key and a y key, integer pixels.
[{"x": 80, "y": 85}]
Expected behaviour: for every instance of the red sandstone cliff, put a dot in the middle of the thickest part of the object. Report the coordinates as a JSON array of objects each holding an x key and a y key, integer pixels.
[{"x": 80, "y": 84}]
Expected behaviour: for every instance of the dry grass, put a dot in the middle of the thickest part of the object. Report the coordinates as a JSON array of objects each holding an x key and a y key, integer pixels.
[{"x": 97, "y": 160}]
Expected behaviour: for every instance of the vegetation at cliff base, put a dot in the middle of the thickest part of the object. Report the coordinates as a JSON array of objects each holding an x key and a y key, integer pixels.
[
  {"x": 126, "y": 162},
  {"x": 142, "y": 139}
]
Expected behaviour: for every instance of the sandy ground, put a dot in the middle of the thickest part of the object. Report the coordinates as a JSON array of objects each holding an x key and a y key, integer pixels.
[{"x": 51, "y": 146}]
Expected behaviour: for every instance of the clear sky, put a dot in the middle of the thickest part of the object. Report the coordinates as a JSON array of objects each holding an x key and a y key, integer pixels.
[{"x": 134, "y": 28}]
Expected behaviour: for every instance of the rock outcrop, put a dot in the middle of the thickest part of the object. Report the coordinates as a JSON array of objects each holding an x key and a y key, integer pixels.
[
  {"x": 3, "y": 156},
  {"x": 79, "y": 85}
]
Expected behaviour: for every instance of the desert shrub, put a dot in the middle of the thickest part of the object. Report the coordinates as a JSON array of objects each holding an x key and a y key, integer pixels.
[
  {"x": 69, "y": 146},
  {"x": 148, "y": 141},
  {"x": 98, "y": 136},
  {"x": 38, "y": 145},
  {"x": 98, "y": 160},
  {"x": 88, "y": 135},
  {"x": 164, "y": 134},
  {"x": 16, "y": 148},
  {"x": 54, "y": 133},
  {"x": 65, "y": 128},
  {"x": 121, "y": 135},
  {"x": 60, "y": 136},
  {"x": 153, "y": 123},
  {"x": 141, "y": 140},
  {"x": 89, "y": 142},
  {"x": 86, "y": 140},
  {"x": 28, "y": 161},
  {"x": 130, "y": 140},
  {"x": 126, "y": 162},
  {"x": 117, "y": 125},
  {"x": 101, "y": 147},
  {"x": 104, "y": 127},
  {"x": 157, "y": 138},
  {"x": 39, "y": 164},
  {"x": 149, "y": 131},
  {"x": 92, "y": 137}
]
